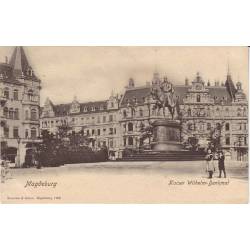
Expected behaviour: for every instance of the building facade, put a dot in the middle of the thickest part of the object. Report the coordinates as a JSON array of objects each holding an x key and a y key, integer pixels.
[
  {"x": 218, "y": 109},
  {"x": 98, "y": 120},
  {"x": 20, "y": 105},
  {"x": 206, "y": 110}
]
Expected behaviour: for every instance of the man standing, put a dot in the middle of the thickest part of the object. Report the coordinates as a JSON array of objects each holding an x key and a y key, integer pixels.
[{"x": 221, "y": 164}]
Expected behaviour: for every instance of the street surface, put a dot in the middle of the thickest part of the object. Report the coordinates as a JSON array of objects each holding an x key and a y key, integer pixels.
[{"x": 127, "y": 182}]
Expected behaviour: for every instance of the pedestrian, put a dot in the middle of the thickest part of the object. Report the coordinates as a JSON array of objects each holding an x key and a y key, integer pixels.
[
  {"x": 209, "y": 162},
  {"x": 221, "y": 164},
  {"x": 3, "y": 171}
]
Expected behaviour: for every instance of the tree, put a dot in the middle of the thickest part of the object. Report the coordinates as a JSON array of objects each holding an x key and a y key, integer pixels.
[
  {"x": 146, "y": 133},
  {"x": 215, "y": 136}
]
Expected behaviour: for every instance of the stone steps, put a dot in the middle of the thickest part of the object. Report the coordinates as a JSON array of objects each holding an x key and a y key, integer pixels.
[{"x": 165, "y": 156}]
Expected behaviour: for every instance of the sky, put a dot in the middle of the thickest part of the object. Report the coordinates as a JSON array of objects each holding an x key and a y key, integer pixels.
[{"x": 91, "y": 73}]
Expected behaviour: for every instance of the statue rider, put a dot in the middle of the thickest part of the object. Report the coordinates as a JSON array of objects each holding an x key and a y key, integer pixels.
[{"x": 168, "y": 90}]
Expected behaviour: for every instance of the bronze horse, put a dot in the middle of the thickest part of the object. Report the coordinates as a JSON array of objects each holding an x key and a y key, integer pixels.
[{"x": 162, "y": 101}]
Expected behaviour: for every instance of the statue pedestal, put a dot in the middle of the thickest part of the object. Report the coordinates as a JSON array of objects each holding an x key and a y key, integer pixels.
[{"x": 166, "y": 135}]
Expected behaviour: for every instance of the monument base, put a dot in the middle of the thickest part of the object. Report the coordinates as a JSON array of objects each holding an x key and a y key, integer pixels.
[{"x": 166, "y": 135}]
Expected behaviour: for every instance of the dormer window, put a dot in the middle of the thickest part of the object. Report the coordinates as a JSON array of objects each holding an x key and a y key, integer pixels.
[
  {"x": 112, "y": 104},
  {"x": 93, "y": 108},
  {"x": 85, "y": 109}
]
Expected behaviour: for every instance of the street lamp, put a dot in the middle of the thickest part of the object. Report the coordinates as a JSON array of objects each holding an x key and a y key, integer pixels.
[{"x": 18, "y": 153}]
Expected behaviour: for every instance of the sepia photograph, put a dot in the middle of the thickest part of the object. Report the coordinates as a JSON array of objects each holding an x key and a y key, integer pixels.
[{"x": 124, "y": 124}]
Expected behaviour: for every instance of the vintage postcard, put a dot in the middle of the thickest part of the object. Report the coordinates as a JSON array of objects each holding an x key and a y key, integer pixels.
[{"x": 124, "y": 124}]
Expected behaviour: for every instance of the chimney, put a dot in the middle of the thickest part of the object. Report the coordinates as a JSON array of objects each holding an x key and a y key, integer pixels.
[
  {"x": 186, "y": 81},
  {"x": 6, "y": 59}
]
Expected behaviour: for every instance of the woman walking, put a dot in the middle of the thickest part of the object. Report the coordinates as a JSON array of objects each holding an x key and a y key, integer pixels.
[{"x": 209, "y": 162}]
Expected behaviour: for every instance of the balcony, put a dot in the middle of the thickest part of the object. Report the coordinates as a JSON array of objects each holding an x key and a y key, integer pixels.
[{"x": 32, "y": 100}]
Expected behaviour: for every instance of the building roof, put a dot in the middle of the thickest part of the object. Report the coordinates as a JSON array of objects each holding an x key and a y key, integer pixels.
[
  {"x": 64, "y": 109},
  {"x": 219, "y": 94},
  {"x": 18, "y": 67},
  {"x": 139, "y": 93},
  {"x": 230, "y": 87}
]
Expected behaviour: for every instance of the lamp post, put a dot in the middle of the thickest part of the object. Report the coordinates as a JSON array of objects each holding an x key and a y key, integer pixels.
[{"x": 18, "y": 152}]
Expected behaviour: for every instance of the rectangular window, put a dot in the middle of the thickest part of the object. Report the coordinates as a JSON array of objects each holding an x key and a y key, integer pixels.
[
  {"x": 15, "y": 132},
  {"x": 111, "y": 131},
  {"x": 227, "y": 140},
  {"x": 98, "y": 132},
  {"x": 93, "y": 132},
  {"x": 111, "y": 143},
  {"x": 245, "y": 140},
  {"x": 208, "y": 126},
  {"x": 104, "y": 119},
  {"x": 104, "y": 131},
  {"x": 110, "y": 118},
  {"x": 15, "y": 95},
  {"x": 6, "y": 132},
  {"x": 26, "y": 133},
  {"x": 33, "y": 133},
  {"x": 98, "y": 119}
]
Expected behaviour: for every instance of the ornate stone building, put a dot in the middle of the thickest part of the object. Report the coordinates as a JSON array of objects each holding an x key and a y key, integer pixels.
[
  {"x": 207, "y": 110},
  {"x": 20, "y": 104},
  {"x": 99, "y": 120}
]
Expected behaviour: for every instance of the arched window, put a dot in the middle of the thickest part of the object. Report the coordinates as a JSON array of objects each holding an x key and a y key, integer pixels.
[
  {"x": 33, "y": 133},
  {"x": 30, "y": 95},
  {"x": 16, "y": 114},
  {"x": 218, "y": 126},
  {"x": 26, "y": 114},
  {"x": 5, "y": 112},
  {"x": 227, "y": 126},
  {"x": 141, "y": 113},
  {"x": 130, "y": 126},
  {"x": 6, "y": 93},
  {"x": 198, "y": 98},
  {"x": 33, "y": 115},
  {"x": 11, "y": 113},
  {"x": 130, "y": 141},
  {"x": 15, "y": 94}
]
